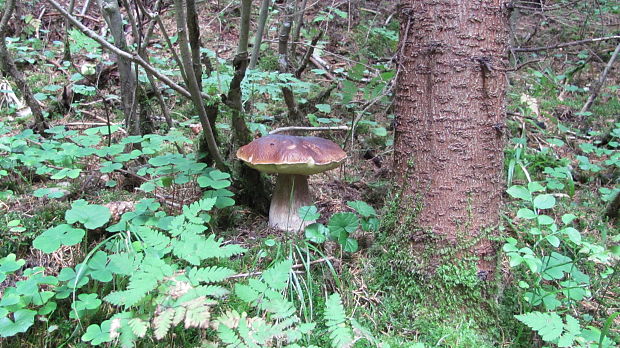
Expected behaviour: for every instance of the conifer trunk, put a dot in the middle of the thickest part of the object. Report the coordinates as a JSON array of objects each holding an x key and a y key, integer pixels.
[{"x": 449, "y": 138}]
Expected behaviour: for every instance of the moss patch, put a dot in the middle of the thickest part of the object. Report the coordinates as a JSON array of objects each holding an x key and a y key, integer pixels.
[{"x": 430, "y": 294}]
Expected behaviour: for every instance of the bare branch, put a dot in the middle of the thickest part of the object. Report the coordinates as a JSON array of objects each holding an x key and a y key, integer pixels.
[
  {"x": 601, "y": 80},
  {"x": 110, "y": 47},
  {"x": 565, "y": 44},
  {"x": 309, "y": 129}
]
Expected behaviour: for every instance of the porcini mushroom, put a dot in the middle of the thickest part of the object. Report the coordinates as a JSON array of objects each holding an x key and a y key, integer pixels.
[{"x": 293, "y": 158}]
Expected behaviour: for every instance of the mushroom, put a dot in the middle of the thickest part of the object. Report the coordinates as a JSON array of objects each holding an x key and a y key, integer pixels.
[{"x": 293, "y": 158}]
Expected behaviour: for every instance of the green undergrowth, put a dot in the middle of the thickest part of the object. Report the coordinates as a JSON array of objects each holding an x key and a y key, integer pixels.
[{"x": 449, "y": 307}]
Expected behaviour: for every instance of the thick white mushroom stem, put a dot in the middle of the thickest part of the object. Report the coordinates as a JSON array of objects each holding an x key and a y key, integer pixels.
[{"x": 290, "y": 194}]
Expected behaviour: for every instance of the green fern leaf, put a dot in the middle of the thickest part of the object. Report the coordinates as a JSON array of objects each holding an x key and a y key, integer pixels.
[
  {"x": 229, "y": 337},
  {"x": 279, "y": 307},
  {"x": 162, "y": 323},
  {"x": 226, "y": 323},
  {"x": 209, "y": 290},
  {"x": 190, "y": 248},
  {"x": 153, "y": 238},
  {"x": 335, "y": 318},
  {"x": 213, "y": 249},
  {"x": 246, "y": 293},
  {"x": 138, "y": 326},
  {"x": 548, "y": 325},
  {"x": 145, "y": 279},
  {"x": 209, "y": 274},
  {"x": 277, "y": 276},
  {"x": 198, "y": 313}
]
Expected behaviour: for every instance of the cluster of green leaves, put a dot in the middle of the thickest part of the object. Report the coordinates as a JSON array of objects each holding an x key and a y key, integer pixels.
[
  {"x": 554, "y": 254},
  {"x": 66, "y": 153},
  {"x": 340, "y": 225},
  {"x": 275, "y": 317},
  {"x": 603, "y": 158},
  {"x": 167, "y": 271},
  {"x": 38, "y": 293}
]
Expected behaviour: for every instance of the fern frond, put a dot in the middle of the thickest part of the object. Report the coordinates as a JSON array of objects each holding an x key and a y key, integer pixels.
[
  {"x": 209, "y": 274},
  {"x": 213, "y": 249},
  {"x": 145, "y": 279},
  {"x": 162, "y": 323},
  {"x": 225, "y": 325},
  {"x": 277, "y": 276},
  {"x": 548, "y": 325},
  {"x": 153, "y": 238},
  {"x": 198, "y": 313},
  {"x": 335, "y": 318},
  {"x": 138, "y": 326},
  {"x": 189, "y": 248},
  {"x": 179, "y": 315}
]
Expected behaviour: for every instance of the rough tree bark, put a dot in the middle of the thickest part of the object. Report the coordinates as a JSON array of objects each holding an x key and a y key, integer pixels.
[
  {"x": 448, "y": 143},
  {"x": 67, "y": 47},
  {"x": 112, "y": 15},
  {"x": 193, "y": 33},
  {"x": 8, "y": 67},
  {"x": 253, "y": 184}
]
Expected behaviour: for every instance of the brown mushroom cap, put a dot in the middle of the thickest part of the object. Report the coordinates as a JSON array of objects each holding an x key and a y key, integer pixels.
[{"x": 289, "y": 154}]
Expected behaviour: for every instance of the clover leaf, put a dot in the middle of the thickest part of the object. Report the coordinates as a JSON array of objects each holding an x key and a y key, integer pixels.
[
  {"x": 50, "y": 240},
  {"x": 85, "y": 303},
  {"x": 214, "y": 179},
  {"x": 96, "y": 334},
  {"x": 23, "y": 319},
  {"x": 109, "y": 167},
  {"x": 90, "y": 215},
  {"x": 98, "y": 265},
  {"x": 9, "y": 264}
]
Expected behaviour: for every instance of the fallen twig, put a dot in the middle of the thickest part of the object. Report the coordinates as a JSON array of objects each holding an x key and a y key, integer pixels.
[
  {"x": 601, "y": 80},
  {"x": 311, "y": 129},
  {"x": 298, "y": 265}
]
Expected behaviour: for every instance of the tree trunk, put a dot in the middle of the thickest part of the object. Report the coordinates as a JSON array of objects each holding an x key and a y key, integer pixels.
[
  {"x": 193, "y": 33},
  {"x": 258, "y": 38},
  {"x": 294, "y": 115},
  {"x": 112, "y": 15},
  {"x": 8, "y": 67},
  {"x": 253, "y": 184},
  {"x": 448, "y": 137},
  {"x": 193, "y": 87}
]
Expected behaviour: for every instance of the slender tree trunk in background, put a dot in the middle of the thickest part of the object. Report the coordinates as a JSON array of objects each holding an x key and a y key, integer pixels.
[
  {"x": 8, "y": 67},
  {"x": 448, "y": 142},
  {"x": 67, "y": 49},
  {"x": 142, "y": 52},
  {"x": 112, "y": 15},
  {"x": 181, "y": 22},
  {"x": 254, "y": 190},
  {"x": 193, "y": 33},
  {"x": 601, "y": 81},
  {"x": 295, "y": 116},
  {"x": 299, "y": 22},
  {"x": 234, "y": 98},
  {"x": 258, "y": 39}
]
